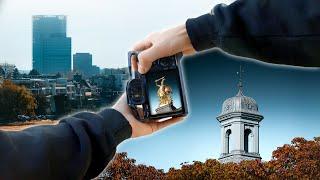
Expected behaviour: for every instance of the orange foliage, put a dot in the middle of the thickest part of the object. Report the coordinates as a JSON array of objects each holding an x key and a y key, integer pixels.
[
  {"x": 123, "y": 167},
  {"x": 15, "y": 100},
  {"x": 298, "y": 160}
]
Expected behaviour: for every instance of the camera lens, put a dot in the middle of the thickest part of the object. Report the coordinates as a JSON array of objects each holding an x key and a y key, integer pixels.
[{"x": 135, "y": 91}]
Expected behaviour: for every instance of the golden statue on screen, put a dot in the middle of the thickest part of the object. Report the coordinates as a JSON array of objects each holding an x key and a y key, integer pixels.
[{"x": 164, "y": 92}]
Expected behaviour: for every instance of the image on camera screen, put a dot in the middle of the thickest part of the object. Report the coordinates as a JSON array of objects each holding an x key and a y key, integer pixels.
[{"x": 164, "y": 92}]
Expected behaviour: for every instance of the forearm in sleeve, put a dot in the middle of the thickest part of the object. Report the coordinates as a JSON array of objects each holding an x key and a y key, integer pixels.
[
  {"x": 281, "y": 32},
  {"x": 79, "y": 147}
]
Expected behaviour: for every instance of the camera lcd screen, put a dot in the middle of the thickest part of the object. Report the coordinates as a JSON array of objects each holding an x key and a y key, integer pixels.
[{"x": 164, "y": 92}]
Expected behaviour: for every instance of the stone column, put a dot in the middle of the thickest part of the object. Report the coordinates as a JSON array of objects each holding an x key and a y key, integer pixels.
[
  {"x": 256, "y": 138},
  {"x": 237, "y": 136},
  {"x": 242, "y": 128},
  {"x": 223, "y": 138}
]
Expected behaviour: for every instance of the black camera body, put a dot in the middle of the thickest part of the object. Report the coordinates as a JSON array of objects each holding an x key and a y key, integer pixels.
[{"x": 160, "y": 93}]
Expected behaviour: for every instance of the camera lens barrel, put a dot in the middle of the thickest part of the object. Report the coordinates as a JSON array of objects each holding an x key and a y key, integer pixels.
[{"x": 136, "y": 92}]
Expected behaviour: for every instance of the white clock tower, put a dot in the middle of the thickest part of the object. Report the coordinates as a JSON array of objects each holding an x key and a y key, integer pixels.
[{"x": 239, "y": 122}]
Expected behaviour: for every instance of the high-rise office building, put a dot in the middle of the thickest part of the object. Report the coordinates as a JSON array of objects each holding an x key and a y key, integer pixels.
[
  {"x": 51, "y": 46},
  {"x": 82, "y": 63}
]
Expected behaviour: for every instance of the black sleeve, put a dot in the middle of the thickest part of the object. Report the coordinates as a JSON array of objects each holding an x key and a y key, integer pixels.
[
  {"x": 79, "y": 147},
  {"x": 275, "y": 31}
]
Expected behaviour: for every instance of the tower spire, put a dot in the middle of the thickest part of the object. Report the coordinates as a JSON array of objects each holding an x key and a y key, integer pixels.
[
  {"x": 239, "y": 122},
  {"x": 240, "y": 86}
]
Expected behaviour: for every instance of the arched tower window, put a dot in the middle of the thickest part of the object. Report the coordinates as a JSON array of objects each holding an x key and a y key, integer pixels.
[
  {"x": 228, "y": 141},
  {"x": 248, "y": 140}
]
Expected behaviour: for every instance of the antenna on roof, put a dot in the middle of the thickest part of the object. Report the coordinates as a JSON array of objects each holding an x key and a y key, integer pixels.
[{"x": 240, "y": 86}]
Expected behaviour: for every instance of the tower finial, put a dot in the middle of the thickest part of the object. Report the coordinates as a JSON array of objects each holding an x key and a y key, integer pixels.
[{"x": 240, "y": 81}]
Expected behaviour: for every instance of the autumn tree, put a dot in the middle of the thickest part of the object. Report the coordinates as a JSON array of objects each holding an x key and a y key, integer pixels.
[
  {"x": 15, "y": 100},
  {"x": 123, "y": 167},
  {"x": 298, "y": 160}
]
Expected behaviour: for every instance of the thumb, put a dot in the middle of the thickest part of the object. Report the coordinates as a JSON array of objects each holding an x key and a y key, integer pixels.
[{"x": 146, "y": 58}]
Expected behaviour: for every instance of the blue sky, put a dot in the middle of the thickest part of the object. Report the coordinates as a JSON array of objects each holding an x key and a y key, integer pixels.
[{"x": 288, "y": 98}]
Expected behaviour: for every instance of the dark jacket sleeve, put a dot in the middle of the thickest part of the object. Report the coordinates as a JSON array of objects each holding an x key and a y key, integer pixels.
[
  {"x": 79, "y": 147},
  {"x": 275, "y": 31}
]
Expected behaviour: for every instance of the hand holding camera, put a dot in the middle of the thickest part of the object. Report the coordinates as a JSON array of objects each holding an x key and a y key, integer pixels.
[
  {"x": 163, "y": 44},
  {"x": 153, "y": 47},
  {"x": 133, "y": 104},
  {"x": 145, "y": 125},
  {"x": 159, "y": 93},
  {"x": 142, "y": 128}
]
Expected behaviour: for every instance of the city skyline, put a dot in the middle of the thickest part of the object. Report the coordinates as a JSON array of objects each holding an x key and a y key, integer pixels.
[
  {"x": 95, "y": 26},
  {"x": 51, "y": 48}
]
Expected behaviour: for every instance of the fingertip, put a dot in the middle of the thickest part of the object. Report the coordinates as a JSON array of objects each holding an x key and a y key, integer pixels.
[
  {"x": 141, "y": 56},
  {"x": 142, "y": 45},
  {"x": 141, "y": 69},
  {"x": 143, "y": 65}
]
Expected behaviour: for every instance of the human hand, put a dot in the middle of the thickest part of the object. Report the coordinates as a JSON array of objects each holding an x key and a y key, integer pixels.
[
  {"x": 140, "y": 128},
  {"x": 162, "y": 44}
]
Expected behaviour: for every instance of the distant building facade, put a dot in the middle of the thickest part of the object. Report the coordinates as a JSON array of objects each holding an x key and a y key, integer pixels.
[
  {"x": 51, "y": 48},
  {"x": 121, "y": 75},
  {"x": 82, "y": 63},
  {"x": 112, "y": 71},
  {"x": 239, "y": 123},
  {"x": 95, "y": 70}
]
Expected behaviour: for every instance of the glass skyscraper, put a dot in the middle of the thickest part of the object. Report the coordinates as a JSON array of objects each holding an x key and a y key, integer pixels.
[
  {"x": 82, "y": 63},
  {"x": 51, "y": 47}
]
